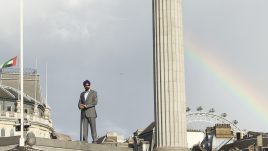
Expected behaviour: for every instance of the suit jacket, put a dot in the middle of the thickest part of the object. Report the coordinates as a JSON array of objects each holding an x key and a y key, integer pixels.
[{"x": 90, "y": 102}]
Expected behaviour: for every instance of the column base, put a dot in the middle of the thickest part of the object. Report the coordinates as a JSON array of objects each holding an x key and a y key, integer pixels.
[{"x": 171, "y": 149}]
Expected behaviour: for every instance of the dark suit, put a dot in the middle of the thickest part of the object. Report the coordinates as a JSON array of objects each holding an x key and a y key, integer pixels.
[{"x": 89, "y": 115}]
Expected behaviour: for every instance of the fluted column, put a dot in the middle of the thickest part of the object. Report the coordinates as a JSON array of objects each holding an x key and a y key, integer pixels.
[{"x": 169, "y": 84}]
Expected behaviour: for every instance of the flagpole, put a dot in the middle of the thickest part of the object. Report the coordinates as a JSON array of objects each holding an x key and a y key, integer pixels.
[
  {"x": 35, "y": 79},
  {"x": 46, "y": 86},
  {"x": 22, "y": 140}
]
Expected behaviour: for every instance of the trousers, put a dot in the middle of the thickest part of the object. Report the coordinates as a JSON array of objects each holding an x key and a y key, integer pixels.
[{"x": 86, "y": 121}]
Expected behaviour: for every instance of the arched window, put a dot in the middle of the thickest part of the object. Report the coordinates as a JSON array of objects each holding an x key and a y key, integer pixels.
[
  {"x": 12, "y": 132},
  {"x": 2, "y": 132}
]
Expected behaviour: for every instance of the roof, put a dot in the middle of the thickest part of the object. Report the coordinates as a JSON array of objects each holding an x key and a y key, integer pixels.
[
  {"x": 11, "y": 77},
  {"x": 10, "y": 93},
  {"x": 148, "y": 129},
  {"x": 239, "y": 144}
]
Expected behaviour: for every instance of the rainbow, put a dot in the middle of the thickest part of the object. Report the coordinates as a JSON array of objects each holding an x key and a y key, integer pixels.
[{"x": 230, "y": 80}]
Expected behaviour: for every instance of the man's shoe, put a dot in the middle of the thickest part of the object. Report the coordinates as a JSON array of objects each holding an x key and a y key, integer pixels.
[{"x": 94, "y": 142}]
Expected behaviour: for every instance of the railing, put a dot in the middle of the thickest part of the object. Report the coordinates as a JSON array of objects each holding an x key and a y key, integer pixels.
[{"x": 17, "y": 70}]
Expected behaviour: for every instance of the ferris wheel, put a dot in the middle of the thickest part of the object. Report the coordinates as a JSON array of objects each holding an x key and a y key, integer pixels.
[{"x": 200, "y": 120}]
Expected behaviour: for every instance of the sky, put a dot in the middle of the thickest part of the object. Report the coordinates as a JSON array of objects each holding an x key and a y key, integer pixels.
[{"x": 110, "y": 44}]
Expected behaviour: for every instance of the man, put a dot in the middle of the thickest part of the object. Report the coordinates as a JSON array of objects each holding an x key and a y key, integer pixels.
[{"x": 88, "y": 100}]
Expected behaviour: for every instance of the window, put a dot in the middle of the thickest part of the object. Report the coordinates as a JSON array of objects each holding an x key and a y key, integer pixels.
[
  {"x": 12, "y": 132},
  {"x": 2, "y": 132},
  {"x": 9, "y": 108},
  {"x": 26, "y": 111},
  {"x": 264, "y": 149}
]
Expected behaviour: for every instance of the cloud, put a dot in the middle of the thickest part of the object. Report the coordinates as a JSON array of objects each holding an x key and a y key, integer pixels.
[
  {"x": 70, "y": 20},
  {"x": 9, "y": 18},
  {"x": 77, "y": 4}
]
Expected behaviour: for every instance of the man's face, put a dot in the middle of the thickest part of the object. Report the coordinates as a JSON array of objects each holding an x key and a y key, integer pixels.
[{"x": 87, "y": 87}]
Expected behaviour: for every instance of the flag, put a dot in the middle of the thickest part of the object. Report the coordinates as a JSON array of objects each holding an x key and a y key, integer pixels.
[{"x": 9, "y": 63}]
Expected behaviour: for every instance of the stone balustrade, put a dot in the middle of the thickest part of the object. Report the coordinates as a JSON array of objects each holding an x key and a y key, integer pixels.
[{"x": 39, "y": 125}]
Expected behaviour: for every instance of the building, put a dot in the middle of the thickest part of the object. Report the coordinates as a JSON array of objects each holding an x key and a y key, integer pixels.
[
  {"x": 36, "y": 110},
  {"x": 215, "y": 138},
  {"x": 253, "y": 141},
  {"x": 194, "y": 137}
]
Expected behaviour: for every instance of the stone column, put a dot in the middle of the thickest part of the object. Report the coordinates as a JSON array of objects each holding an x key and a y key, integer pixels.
[
  {"x": 169, "y": 84},
  {"x": 47, "y": 113},
  {"x": 36, "y": 112},
  {"x": 18, "y": 103}
]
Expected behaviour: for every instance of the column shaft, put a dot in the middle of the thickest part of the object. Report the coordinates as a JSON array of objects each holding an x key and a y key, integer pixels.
[{"x": 169, "y": 83}]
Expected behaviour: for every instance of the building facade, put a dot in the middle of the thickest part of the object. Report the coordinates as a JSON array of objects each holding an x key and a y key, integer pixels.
[{"x": 36, "y": 111}]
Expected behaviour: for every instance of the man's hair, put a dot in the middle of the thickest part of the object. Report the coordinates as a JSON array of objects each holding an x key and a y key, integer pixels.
[{"x": 86, "y": 82}]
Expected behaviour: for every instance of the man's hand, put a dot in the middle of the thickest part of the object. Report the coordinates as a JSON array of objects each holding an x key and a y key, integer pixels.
[{"x": 82, "y": 106}]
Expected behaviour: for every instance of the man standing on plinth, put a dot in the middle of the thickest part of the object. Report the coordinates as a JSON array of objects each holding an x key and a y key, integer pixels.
[{"x": 87, "y": 102}]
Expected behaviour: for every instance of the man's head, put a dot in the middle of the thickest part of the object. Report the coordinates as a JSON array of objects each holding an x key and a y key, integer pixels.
[{"x": 86, "y": 85}]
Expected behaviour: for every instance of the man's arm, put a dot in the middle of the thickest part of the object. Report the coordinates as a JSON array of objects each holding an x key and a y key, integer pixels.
[
  {"x": 95, "y": 99},
  {"x": 80, "y": 106}
]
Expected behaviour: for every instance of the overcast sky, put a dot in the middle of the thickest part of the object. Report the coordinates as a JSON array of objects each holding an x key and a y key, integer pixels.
[{"x": 109, "y": 42}]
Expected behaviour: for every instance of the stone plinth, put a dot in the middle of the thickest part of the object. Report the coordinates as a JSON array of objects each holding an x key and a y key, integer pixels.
[{"x": 8, "y": 143}]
